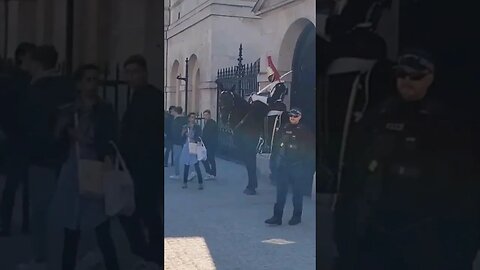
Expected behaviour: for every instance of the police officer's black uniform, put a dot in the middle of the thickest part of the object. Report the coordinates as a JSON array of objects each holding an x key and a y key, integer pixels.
[
  {"x": 294, "y": 154},
  {"x": 404, "y": 190}
]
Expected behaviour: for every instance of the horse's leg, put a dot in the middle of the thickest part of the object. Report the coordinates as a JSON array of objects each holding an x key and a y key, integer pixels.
[
  {"x": 251, "y": 164},
  {"x": 248, "y": 152}
]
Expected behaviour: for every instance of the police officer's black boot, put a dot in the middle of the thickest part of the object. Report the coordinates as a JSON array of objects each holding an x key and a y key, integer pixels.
[
  {"x": 296, "y": 218},
  {"x": 277, "y": 216}
]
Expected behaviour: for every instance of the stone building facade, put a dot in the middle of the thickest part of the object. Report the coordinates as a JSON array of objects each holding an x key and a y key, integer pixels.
[{"x": 210, "y": 32}]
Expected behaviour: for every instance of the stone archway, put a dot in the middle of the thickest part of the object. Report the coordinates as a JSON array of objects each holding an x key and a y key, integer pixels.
[
  {"x": 303, "y": 86},
  {"x": 196, "y": 93},
  {"x": 192, "y": 83},
  {"x": 174, "y": 88},
  {"x": 297, "y": 53},
  {"x": 289, "y": 42}
]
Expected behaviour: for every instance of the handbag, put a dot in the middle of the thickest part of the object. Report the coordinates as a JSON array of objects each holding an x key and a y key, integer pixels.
[
  {"x": 90, "y": 172},
  {"x": 192, "y": 148},
  {"x": 119, "y": 188},
  {"x": 201, "y": 151}
]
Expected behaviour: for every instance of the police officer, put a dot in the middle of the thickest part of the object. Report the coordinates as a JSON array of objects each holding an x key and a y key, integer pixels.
[
  {"x": 406, "y": 186},
  {"x": 292, "y": 159}
]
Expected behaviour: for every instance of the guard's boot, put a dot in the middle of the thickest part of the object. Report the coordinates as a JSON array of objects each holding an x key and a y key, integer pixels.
[
  {"x": 296, "y": 218},
  {"x": 277, "y": 216}
]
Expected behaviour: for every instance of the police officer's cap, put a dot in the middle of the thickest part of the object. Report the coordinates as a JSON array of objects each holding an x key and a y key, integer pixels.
[
  {"x": 295, "y": 112},
  {"x": 415, "y": 60}
]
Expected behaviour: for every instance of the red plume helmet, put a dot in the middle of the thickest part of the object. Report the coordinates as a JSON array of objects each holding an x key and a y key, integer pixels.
[{"x": 272, "y": 70}]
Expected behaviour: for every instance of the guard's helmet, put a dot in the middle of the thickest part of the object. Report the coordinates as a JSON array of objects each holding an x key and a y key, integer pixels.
[{"x": 272, "y": 72}]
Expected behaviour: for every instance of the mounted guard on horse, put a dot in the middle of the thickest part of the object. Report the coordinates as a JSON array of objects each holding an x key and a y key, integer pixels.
[
  {"x": 246, "y": 118},
  {"x": 272, "y": 96}
]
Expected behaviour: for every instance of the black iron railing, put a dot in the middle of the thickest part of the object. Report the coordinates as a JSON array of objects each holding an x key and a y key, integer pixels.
[
  {"x": 244, "y": 77},
  {"x": 116, "y": 91}
]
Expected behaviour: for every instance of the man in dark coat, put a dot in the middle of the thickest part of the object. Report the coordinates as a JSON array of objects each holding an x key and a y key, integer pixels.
[
  {"x": 210, "y": 139},
  {"x": 141, "y": 144},
  {"x": 13, "y": 95}
]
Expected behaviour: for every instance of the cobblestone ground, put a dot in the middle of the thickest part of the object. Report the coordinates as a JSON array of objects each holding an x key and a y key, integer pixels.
[{"x": 221, "y": 228}]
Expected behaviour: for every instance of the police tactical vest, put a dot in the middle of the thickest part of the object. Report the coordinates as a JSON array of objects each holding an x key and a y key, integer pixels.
[
  {"x": 401, "y": 165},
  {"x": 291, "y": 145}
]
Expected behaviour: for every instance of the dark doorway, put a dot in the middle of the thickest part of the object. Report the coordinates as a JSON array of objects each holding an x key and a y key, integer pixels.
[{"x": 304, "y": 76}]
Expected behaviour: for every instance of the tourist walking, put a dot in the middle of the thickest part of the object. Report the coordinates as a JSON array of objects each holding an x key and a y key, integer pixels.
[
  {"x": 210, "y": 139},
  {"x": 191, "y": 134},
  {"x": 90, "y": 124}
]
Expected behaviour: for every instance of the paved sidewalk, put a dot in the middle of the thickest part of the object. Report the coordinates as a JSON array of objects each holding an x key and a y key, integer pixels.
[{"x": 222, "y": 228}]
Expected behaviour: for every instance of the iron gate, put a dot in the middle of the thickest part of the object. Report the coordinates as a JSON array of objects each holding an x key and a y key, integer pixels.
[
  {"x": 111, "y": 88},
  {"x": 244, "y": 77},
  {"x": 115, "y": 91}
]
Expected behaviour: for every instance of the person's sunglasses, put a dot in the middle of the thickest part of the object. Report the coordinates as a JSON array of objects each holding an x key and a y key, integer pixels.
[
  {"x": 294, "y": 116},
  {"x": 414, "y": 76}
]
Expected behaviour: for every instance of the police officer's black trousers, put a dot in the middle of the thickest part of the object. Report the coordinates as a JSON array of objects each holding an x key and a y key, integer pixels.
[
  {"x": 415, "y": 249},
  {"x": 289, "y": 174},
  {"x": 426, "y": 247}
]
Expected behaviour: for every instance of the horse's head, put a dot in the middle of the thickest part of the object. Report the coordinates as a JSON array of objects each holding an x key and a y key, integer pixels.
[{"x": 226, "y": 101}]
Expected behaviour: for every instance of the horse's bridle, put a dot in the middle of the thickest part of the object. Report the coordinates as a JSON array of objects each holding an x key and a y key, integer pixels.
[{"x": 233, "y": 105}]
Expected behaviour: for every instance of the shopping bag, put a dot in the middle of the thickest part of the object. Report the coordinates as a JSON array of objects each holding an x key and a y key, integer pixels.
[
  {"x": 119, "y": 188},
  {"x": 192, "y": 148},
  {"x": 90, "y": 173},
  {"x": 90, "y": 177},
  {"x": 201, "y": 151}
]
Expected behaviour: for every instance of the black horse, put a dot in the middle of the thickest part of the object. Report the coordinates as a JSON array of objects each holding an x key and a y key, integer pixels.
[{"x": 246, "y": 121}]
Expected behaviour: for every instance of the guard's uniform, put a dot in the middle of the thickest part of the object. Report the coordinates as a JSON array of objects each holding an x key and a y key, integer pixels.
[
  {"x": 270, "y": 100},
  {"x": 273, "y": 94},
  {"x": 293, "y": 156},
  {"x": 401, "y": 190}
]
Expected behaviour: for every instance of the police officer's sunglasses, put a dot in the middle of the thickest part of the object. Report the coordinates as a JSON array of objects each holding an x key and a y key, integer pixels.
[{"x": 414, "y": 76}]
